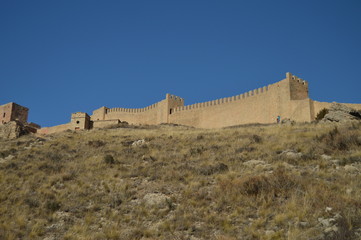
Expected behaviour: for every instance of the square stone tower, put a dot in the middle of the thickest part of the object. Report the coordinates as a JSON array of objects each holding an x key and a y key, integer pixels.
[
  {"x": 13, "y": 112},
  {"x": 80, "y": 120}
]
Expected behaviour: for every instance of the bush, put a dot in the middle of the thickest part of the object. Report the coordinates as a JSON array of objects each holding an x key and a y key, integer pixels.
[
  {"x": 337, "y": 140},
  {"x": 212, "y": 169},
  {"x": 108, "y": 159},
  {"x": 52, "y": 205},
  {"x": 321, "y": 114},
  {"x": 256, "y": 139},
  {"x": 96, "y": 143}
]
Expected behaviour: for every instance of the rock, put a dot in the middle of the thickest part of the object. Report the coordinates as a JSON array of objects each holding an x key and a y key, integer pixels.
[
  {"x": 138, "y": 143},
  {"x": 269, "y": 232},
  {"x": 333, "y": 228},
  {"x": 158, "y": 200},
  {"x": 351, "y": 169},
  {"x": 287, "y": 121},
  {"x": 340, "y": 113},
  {"x": 336, "y": 161},
  {"x": 324, "y": 222},
  {"x": 9, "y": 157},
  {"x": 328, "y": 209},
  {"x": 325, "y": 157},
  {"x": 288, "y": 166},
  {"x": 258, "y": 165},
  {"x": 291, "y": 154},
  {"x": 303, "y": 224},
  {"x": 12, "y": 130}
]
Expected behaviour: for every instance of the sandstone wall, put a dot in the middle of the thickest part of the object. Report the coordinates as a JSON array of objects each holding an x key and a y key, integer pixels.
[
  {"x": 298, "y": 87},
  {"x": 262, "y": 105},
  {"x": 105, "y": 123},
  {"x": 55, "y": 129},
  {"x": 154, "y": 114},
  {"x": 287, "y": 98}
]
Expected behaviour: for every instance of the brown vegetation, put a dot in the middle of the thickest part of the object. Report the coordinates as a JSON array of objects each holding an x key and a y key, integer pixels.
[{"x": 173, "y": 182}]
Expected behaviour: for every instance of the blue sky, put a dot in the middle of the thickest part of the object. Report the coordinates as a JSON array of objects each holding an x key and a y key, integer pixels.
[{"x": 59, "y": 57}]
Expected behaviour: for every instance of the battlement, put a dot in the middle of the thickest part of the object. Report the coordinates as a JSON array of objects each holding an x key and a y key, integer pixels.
[
  {"x": 298, "y": 87},
  {"x": 131, "y": 110},
  {"x": 287, "y": 98},
  {"x": 79, "y": 115},
  {"x": 174, "y": 97},
  {"x": 225, "y": 100},
  {"x": 294, "y": 78}
]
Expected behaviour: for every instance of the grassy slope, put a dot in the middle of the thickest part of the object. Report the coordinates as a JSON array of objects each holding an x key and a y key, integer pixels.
[{"x": 201, "y": 184}]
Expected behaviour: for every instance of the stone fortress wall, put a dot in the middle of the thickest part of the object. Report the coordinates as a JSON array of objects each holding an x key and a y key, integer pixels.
[{"x": 287, "y": 98}]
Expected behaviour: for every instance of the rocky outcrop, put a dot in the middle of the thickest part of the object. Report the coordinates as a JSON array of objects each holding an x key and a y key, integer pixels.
[
  {"x": 12, "y": 130},
  {"x": 340, "y": 113}
]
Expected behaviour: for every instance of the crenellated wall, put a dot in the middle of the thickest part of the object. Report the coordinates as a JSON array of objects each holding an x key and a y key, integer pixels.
[
  {"x": 154, "y": 114},
  {"x": 287, "y": 98},
  {"x": 298, "y": 87}
]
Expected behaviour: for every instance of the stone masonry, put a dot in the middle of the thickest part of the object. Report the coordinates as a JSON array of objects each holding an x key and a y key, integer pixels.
[{"x": 287, "y": 98}]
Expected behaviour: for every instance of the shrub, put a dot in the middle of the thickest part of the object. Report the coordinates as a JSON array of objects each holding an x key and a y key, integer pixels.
[
  {"x": 337, "y": 140},
  {"x": 212, "y": 169},
  {"x": 277, "y": 184},
  {"x": 96, "y": 143},
  {"x": 256, "y": 138},
  {"x": 321, "y": 114},
  {"x": 52, "y": 205},
  {"x": 108, "y": 159}
]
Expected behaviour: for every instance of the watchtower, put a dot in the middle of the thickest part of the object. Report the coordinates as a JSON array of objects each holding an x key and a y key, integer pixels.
[
  {"x": 13, "y": 112},
  {"x": 80, "y": 120}
]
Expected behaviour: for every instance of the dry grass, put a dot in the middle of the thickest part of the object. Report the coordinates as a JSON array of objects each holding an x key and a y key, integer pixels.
[{"x": 94, "y": 184}]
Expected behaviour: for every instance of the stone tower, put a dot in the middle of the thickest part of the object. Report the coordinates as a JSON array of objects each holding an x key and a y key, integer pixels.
[{"x": 80, "y": 120}]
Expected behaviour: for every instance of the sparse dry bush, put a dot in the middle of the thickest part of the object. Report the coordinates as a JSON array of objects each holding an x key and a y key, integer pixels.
[
  {"x": 65, "y": 187},
  {"x": 321, "y": 114},
  {"x": 341, "y": 140}
]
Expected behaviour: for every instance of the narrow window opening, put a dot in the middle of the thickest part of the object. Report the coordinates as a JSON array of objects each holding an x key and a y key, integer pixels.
[
  {"x": 77, "y": 122},
  {"x": 171, "y": 111},
  {"x": 4, "y": 115}
]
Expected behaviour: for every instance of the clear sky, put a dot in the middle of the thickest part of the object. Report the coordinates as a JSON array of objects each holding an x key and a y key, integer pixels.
[{"x": 60, "y": 57}]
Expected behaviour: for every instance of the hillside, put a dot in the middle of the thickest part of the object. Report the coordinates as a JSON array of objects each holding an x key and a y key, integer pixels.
[{"x": 174, "y": 182}]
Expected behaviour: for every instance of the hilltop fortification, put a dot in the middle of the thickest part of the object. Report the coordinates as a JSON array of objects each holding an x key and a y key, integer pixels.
[{"x": 287, "y": 98}]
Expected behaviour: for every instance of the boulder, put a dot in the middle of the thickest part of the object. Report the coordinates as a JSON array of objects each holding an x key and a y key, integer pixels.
[
  {"x": 158, "y": 200},
  {"x": 12, "y": 130},
  {"x": 340, "y": 113},
  {"x": 351, "y": 169},
  {"x": 138, "y": 143},
  {"x": 291, "y": 154}
]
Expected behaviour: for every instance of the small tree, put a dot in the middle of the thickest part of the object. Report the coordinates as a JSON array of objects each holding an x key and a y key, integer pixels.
[{"x": 321, "y": 114}]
